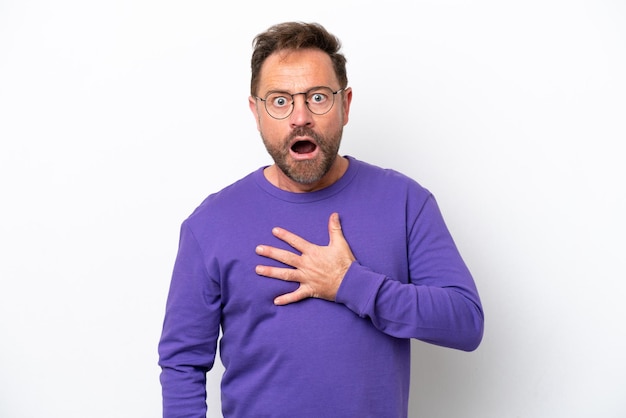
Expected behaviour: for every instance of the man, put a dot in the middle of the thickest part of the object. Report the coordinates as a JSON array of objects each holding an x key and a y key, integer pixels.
[{"x": 319, "y": 269}]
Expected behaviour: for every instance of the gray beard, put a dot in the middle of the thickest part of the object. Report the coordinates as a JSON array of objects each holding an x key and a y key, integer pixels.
[{"x": 311, "y": 171}]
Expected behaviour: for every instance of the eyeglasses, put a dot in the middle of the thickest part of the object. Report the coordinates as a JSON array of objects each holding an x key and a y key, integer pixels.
[{"x": 319, "y": 100}]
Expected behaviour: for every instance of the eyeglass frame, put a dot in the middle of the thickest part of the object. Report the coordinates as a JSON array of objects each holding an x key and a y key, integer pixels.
[{"x": 293, "y": 100}]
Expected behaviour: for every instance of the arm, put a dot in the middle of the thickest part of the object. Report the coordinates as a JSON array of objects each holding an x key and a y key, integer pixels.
[
  {"x": 190, "y": 330},
  {"x": 439, "y": 305}
]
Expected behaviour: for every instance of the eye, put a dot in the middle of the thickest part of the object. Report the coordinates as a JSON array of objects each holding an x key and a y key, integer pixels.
[
  {"x": 279, "y": 101},
  {"x": 317, "y": 97}
]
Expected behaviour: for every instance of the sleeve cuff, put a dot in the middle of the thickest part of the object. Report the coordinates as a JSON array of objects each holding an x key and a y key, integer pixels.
[{"x": 359, "y": 288}]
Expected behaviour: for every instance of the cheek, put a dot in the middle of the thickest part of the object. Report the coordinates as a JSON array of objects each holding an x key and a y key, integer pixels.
[
  {"x": 343, "y": 111},
  {"x": 343, "y": 115},
  {"x": 271, "y": 129}
]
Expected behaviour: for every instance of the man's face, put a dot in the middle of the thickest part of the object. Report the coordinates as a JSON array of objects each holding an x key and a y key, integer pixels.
[{"x": 303, "y": 145}]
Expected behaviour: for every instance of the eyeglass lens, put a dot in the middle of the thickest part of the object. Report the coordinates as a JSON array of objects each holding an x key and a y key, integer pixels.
[{"x": 318, "y": 100}]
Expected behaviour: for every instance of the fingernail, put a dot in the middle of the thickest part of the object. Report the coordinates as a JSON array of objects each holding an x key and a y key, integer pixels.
[{"x": 259, "y": 249}]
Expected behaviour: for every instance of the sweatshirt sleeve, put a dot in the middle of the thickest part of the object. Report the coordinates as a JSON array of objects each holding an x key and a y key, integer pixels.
[
  {"x": 439, "y": 304},
  {"x": 190, "y": 330}
]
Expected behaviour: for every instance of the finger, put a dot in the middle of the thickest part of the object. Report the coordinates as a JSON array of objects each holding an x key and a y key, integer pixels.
[
  {"x": 290, "y": 238},
  {"x": 284, "y": 256},
  {"x": 281, "y": 273},
  {"x": 337, "y": 239},
  {"x": 295, "y": 296},
  {"x": 334, "y": 228}
]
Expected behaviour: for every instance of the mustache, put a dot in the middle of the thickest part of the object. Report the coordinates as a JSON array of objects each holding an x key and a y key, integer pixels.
[{"x": 304, "y": 131}]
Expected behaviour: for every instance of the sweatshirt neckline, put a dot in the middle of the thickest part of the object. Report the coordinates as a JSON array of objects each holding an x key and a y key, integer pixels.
[{"x": 307, "y": 197}]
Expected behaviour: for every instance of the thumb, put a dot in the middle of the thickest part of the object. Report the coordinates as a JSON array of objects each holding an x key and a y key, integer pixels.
[
  {"x": 334, "y": 227},
  {"x": 337, "y": 239}
]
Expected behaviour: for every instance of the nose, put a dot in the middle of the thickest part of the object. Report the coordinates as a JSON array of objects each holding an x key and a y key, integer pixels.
[{"x": 301, "y": 115}]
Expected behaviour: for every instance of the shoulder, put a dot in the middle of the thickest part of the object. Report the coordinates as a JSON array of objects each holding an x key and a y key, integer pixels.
[
  {"x": 386, "y": 178},
  {"x": 227, "y": 200}
]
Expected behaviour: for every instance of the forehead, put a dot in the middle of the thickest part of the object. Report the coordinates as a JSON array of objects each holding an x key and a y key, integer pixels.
[{"x": 297, "y": 70}]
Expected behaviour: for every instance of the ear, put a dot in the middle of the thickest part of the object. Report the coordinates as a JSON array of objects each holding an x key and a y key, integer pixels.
[
  {"x": 347, "y": 99},
  {"x": 252, "y": 103}
]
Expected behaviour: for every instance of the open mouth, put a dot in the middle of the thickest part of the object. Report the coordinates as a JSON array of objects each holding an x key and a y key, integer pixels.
[{"x": 303, "y": 147}]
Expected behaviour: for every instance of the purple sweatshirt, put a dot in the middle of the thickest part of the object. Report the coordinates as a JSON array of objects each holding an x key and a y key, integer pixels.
[{"x": 314, "y": 358}]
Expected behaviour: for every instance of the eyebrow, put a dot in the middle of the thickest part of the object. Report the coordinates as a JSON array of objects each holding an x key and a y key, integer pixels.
[{"x": 305, "y": 91}]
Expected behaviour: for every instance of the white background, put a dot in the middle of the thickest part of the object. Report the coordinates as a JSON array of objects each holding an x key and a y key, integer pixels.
[{"x": 118, "y": 117}]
